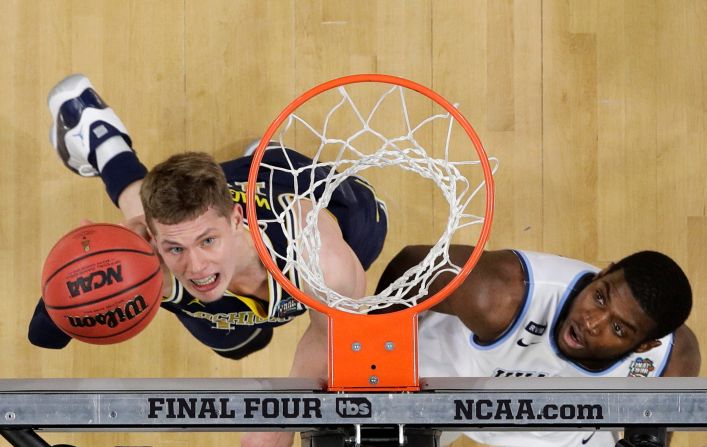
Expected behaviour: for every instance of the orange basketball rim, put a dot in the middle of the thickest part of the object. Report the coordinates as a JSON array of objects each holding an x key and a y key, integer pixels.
[{"x": 370, "y": 352}]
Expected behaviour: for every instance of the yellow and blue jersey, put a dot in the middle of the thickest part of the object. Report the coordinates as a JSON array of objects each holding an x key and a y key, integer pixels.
[
  {"x": 238, "y": 325},
  {"x": 230, "y": 323}
]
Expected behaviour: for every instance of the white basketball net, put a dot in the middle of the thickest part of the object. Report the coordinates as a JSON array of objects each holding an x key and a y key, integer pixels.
[{"x": 401, "y": 151}]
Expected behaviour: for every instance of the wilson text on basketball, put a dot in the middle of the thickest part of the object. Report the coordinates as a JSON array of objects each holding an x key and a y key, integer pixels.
[{"x": 113, "y": 317}]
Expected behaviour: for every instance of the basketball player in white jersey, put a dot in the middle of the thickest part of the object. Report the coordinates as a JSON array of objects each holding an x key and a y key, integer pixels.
[{"x": 524, "y": 314}]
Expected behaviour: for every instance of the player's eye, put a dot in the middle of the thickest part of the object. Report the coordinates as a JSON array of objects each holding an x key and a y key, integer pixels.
[
  {"x": 175, "y": 250},
  {"x": 618, "y": 330},
  {"x": 599, "y": 298},
  {"x": 209, "y": 240}
]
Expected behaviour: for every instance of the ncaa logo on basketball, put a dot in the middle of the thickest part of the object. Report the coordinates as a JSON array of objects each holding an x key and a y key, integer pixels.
[
  {"x": 95, "y": 280},
  {"x": 353, "y": 407}
]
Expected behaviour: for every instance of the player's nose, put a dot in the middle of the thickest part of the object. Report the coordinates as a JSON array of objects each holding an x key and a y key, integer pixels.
[
  {"x": 594, "y": 321},
  {"x": 197, "y": 262}
]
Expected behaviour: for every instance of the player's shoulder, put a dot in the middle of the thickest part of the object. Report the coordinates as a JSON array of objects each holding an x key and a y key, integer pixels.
[
  {"x": 489, "y": 299},
  {"x": 236, "y": 168},
  {"x": 551, "y": 268}
]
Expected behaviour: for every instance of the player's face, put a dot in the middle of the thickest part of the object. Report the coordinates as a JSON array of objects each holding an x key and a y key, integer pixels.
[
  {"x": 604, "y": 322},
  {"x": 200, "y": 253}
]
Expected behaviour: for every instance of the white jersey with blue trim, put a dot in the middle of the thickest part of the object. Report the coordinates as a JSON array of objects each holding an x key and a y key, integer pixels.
[{"x": 527, "y": 348}]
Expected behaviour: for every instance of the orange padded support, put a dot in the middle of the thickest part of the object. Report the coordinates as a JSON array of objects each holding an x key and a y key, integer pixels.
[{"x": 373, "y": 352}]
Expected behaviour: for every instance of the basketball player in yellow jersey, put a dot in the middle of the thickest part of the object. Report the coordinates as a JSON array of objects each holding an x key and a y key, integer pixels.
[{"x": 188, "y": 208}]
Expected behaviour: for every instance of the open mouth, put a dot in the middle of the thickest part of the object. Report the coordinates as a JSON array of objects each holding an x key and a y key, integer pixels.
[
  {"x": 573, "y": 337},
  {"x": 206, "y": 283}
]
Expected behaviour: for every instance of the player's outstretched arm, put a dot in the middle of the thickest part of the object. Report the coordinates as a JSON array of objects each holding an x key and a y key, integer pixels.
[
  {"x": 310, "y": 361},
  {"x": 130, "y": 204},
  {"x": 267, "y": 439},
  {"x": 488, "y": 299},
  {"x": 685, "y": 359},
  {"x": 342, "y": 271},
  {"x": 344, "y": 274},
  {"x": 91, "y": 140}
]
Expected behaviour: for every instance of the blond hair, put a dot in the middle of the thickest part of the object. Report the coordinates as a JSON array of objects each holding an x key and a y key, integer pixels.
[{"x": 183, "y": 187}]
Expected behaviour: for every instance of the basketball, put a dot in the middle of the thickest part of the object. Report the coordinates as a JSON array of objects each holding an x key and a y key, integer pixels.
[{"x": 102, "y": 283}]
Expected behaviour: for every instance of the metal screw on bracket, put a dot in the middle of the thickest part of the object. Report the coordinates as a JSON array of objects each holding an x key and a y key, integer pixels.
[
  {"x": 113, "y": 414},
  {"x": 10, "y": 416},
  {"x": 356, "y": 346},
  {"x": 373, "y": 380},
  {"x": 647, "y": 413},
  {"x": 389, "y": 346}
]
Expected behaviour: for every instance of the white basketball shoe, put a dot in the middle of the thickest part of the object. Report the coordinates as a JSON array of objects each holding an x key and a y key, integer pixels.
[{"x": 82, "y": 124}]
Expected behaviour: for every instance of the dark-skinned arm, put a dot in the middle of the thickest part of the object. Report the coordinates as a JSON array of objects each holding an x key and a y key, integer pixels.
[
  {"x": 489, "y": 298},
  {"x": 685, "y": 360}
]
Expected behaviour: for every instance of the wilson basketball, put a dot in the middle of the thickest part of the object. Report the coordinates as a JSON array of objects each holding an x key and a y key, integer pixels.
[{"x": 102, "y": 283}]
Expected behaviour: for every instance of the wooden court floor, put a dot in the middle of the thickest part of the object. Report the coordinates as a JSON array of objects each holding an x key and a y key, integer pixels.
[{"x": 596, "y": 109}]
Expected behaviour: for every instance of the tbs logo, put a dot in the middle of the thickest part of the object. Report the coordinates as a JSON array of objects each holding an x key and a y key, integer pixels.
[{"x": 353, "y": 407}]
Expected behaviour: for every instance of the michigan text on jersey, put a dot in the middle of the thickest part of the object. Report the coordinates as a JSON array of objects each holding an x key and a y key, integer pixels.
[{"x": 239, "y": 195}]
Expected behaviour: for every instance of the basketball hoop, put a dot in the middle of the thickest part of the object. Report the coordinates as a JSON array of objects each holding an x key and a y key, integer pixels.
[{"x": 372, "y": 351}]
